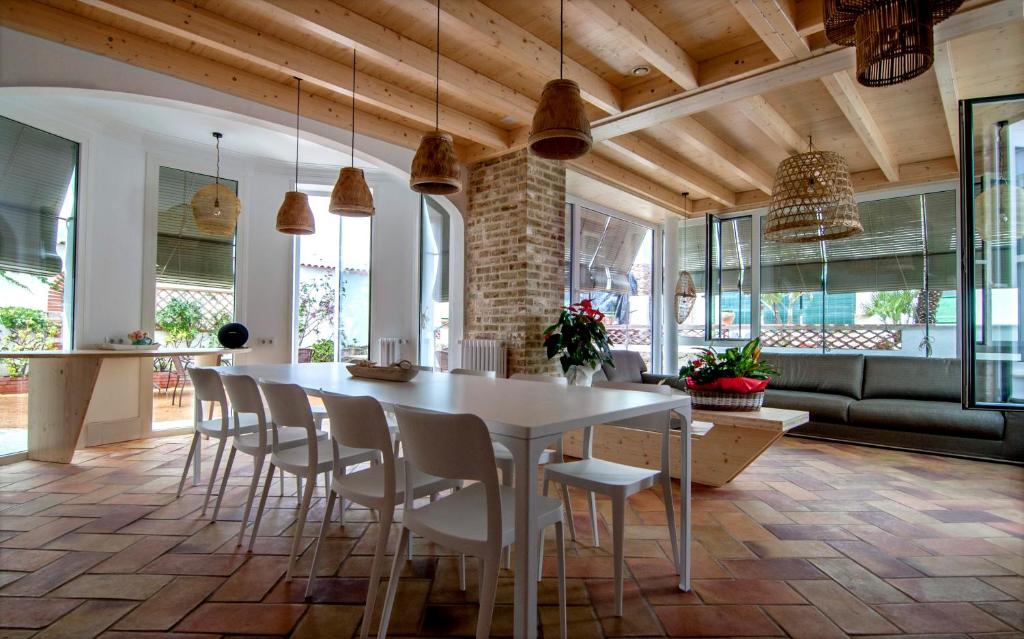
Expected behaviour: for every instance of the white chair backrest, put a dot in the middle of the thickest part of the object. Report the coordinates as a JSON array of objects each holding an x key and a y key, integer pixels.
[
  {"x": 289, "y": 406},
  {"x": 451, "y": 447},
  {"x": 245, "y": 398},
  {"x": 547, "y": 379},
  {"x": 359, "y": 422},
  {"x": 474, "y": 373},
  {"x": 208, "y": 388}
]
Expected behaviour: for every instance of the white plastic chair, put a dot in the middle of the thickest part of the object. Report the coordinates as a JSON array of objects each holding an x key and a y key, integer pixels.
[
  {"x": 208, "y": 388},
  {"x": 359, "y": 422},
  {"x": 478, "y": 520},
  {"x": 246, "y": 400},
  {"x": 289, "y": 407},
  {"x": 620, "y": 481}
]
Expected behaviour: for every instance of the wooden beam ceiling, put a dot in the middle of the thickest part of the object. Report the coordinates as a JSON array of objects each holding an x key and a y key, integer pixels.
[{"x": 945, "y": 73}]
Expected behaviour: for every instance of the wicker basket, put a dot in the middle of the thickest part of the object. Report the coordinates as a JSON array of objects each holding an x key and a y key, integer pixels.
[{"x": 718, "y": 400}]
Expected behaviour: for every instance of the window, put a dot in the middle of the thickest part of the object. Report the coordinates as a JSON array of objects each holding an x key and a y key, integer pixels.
[
  {"x": 691, "y": 240},
  {"x": 38, "y": 207},
  {"x": 333, "y": 305},
  {"x": 728, "y": 313},
  {"x": 612, "y": 261},
  {"x": 435, "y": 241},
  {"x": 195, "y": 290}
]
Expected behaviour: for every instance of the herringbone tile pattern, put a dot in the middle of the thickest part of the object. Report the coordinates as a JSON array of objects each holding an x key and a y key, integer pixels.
[{"x": 814, "y": 540}]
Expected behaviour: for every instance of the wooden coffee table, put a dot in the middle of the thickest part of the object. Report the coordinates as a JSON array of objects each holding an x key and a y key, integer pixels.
[{"x": 736, "y": 439}]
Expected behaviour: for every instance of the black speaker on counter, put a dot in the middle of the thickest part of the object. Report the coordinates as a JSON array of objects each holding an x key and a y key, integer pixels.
[{"x": 233, "y": 335}]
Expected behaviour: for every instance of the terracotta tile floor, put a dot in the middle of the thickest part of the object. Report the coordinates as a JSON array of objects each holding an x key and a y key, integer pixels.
[{"x": 814, "y": 540}]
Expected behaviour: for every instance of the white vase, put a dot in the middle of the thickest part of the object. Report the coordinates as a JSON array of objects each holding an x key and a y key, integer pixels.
[{"x": 580, "y": 375}]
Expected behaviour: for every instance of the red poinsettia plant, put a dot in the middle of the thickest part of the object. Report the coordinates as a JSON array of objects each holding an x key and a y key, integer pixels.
[
  {"x": 579, "y": 337},
  {"x": 737, "y": 370}
]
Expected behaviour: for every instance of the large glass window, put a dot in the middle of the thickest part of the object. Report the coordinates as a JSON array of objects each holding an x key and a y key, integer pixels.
[
  {"x": 691, "y": 240},
  {"x": 613, "y": 261},
  {"x": 992, "y": 188},
  {"x": 38, "y": 205},
  {"x": 435, "y": 242},
  {"x": 333, "y": 301},
  {"x": 728, "y": 312},
  {"x": 195, "y": 290}
]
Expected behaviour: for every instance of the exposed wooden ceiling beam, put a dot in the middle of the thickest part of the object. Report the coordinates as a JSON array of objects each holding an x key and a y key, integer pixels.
[
  {"x": 345, "y": 27},
  {"x": 639, "y": 150},
  {"x": 650, "y": 42},
  {"x": 707, "y": 142},
  {"x": 809, "y": 17},
  {"x": 945, "y": 73},
  {"x": 772, "y": 124},
  {"x": 609, "y": 172},
  {"x": 266, "y": 51},
  {"x": 521, "y": 47},
  {"x": 75, "y": 31},
  {"x": 774, "y": 23},
  {"x": 757, "y": 76}
]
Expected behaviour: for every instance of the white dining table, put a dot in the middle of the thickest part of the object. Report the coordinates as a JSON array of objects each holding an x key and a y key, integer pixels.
[{"x": 525, "y": 416}]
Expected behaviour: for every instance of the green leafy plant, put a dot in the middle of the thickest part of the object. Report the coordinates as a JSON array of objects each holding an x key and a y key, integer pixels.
[
  {"x": 890, "y": 306},
  {"x": 579, "y": 337},
  {"x": 744, "y": 361},
  {"x": 181, "y": 319},
  {"x": 323, "y": 351},
  {"x": 25, "y": 329},
  {"x": 316, "y": 306}
]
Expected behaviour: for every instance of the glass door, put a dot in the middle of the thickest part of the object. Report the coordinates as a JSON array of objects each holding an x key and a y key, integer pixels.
[{"x": 992, "y": 262}]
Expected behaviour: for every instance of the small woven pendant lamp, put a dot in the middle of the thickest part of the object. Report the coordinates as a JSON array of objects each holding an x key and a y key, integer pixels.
[
  {"x": 686, "y": 290},
  {"x": 435, "y": 167},
  {"x": 295, "y": 217},
  {"x": 561, "y": 129},
  {"x": 215, "y": 207},
  {"x": 812, "y": 199},
  {"x": 351, "y": 196}
]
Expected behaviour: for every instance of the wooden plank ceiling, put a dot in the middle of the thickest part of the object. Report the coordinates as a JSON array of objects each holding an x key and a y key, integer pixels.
[{"x": 734, "y": 86}]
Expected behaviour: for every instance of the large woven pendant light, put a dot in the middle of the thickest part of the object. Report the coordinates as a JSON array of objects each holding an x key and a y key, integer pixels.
[
  {"x": 812, "y": 199},
  {"x": 295, "y": 217},
  {"x": 561, "y": 130},
  {"x": 686, "y": 290},
  {"x": 894, "y": 38},
  {"x": 351, "y": 196},
  {"x": 435, "y": 167},
  {"x": 215, "y": 207}
]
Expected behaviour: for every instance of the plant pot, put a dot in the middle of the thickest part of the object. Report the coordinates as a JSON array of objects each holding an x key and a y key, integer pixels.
[
  {"x": 580, "y": 375},
  {"x": 720, "y": 400}
]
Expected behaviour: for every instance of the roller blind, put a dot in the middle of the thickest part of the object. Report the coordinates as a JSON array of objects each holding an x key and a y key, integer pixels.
[
  {"x": 691, "y": 250},
  {"x": 184, "y": 254},
  {"x": 608, "y": 248},
  {"x": 36, "y": 169}
]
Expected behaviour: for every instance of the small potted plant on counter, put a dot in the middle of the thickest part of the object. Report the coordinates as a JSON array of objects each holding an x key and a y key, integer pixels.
[
  {"x": 580, "y": 342},
  {"x": 733, "y": 380}
]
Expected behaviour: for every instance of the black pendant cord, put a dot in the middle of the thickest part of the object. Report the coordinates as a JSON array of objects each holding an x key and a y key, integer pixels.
[
  {"x": 298, "y": 104},
  {"x": 352, "y": 147},
  {"x": 437, "y": 71},
  {"x": 561, "y": 39}
]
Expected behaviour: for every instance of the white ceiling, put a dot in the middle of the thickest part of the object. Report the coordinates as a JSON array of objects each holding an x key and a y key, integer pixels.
[{"x": 183, "y": 122}]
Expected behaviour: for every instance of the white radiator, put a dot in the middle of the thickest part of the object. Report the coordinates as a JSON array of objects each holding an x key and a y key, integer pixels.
[
  {"x": 485, "y": 355},
  {"x": 389, "y": 350}
]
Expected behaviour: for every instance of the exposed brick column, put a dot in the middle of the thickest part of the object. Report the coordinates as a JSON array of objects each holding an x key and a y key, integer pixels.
[{"x": 515, "y": 248}]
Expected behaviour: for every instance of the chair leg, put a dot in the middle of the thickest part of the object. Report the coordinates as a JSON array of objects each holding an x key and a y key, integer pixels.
[
  {"x": 300, "y": 523},
  {"x": 263, "y": 504},
  {"x": 389, "y": 598},
  {"x": 560, "y": 561},
  {"x": 213, "y": 474},
  {"x": 507, "y": 474},
  {"x": 488, "y": 589},
  {"x": 298, "y": 487},
  {"x": 568, "y": 512},
  {"x": 280, "y": 486},
  {"x": 223, "y": 484},
  {"x": 188, "y": 461},
  {"x": 670, "y": 516},
  {"x": 592, "y": 498},
  {"x": 257, "y": 469},
  {"x": 618, "y": 534},
  {"x": 320, "y": 540},
  {"x": 462, "y": 573},
  {"x": 386, "y": 516}
]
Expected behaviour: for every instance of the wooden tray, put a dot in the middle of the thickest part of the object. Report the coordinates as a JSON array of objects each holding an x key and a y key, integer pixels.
[{"x": 385, "y": 373}]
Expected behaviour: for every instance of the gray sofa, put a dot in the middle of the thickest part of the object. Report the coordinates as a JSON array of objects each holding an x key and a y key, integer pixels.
[{"x": 902, "y": 402}]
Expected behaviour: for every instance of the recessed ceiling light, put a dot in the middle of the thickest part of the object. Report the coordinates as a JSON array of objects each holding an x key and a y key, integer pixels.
[{"x": 640, "y": 71}]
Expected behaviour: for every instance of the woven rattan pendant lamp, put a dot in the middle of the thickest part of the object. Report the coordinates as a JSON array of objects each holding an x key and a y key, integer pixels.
[
  {"x": 561, "y": 130},
  {"x": 351, "y": 196},
  {"x": 894, "y": 38},
  {"x": 435, "y": 167},
  {"x": 215, "y": 207},
  {"x": 295, "y": 217},
  {"x": 812, "y": 199},
  {"x": 686, "y": 290}
]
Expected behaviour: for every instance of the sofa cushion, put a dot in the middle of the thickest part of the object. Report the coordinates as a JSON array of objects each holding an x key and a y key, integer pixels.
[
  {"x": 823, "y": 407},
  {"x": 629, "y": 367},
  {"x": 934, "y": 379},
  {"x": 816, "y": 373},
  {"x": 938, "y": 418}
]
